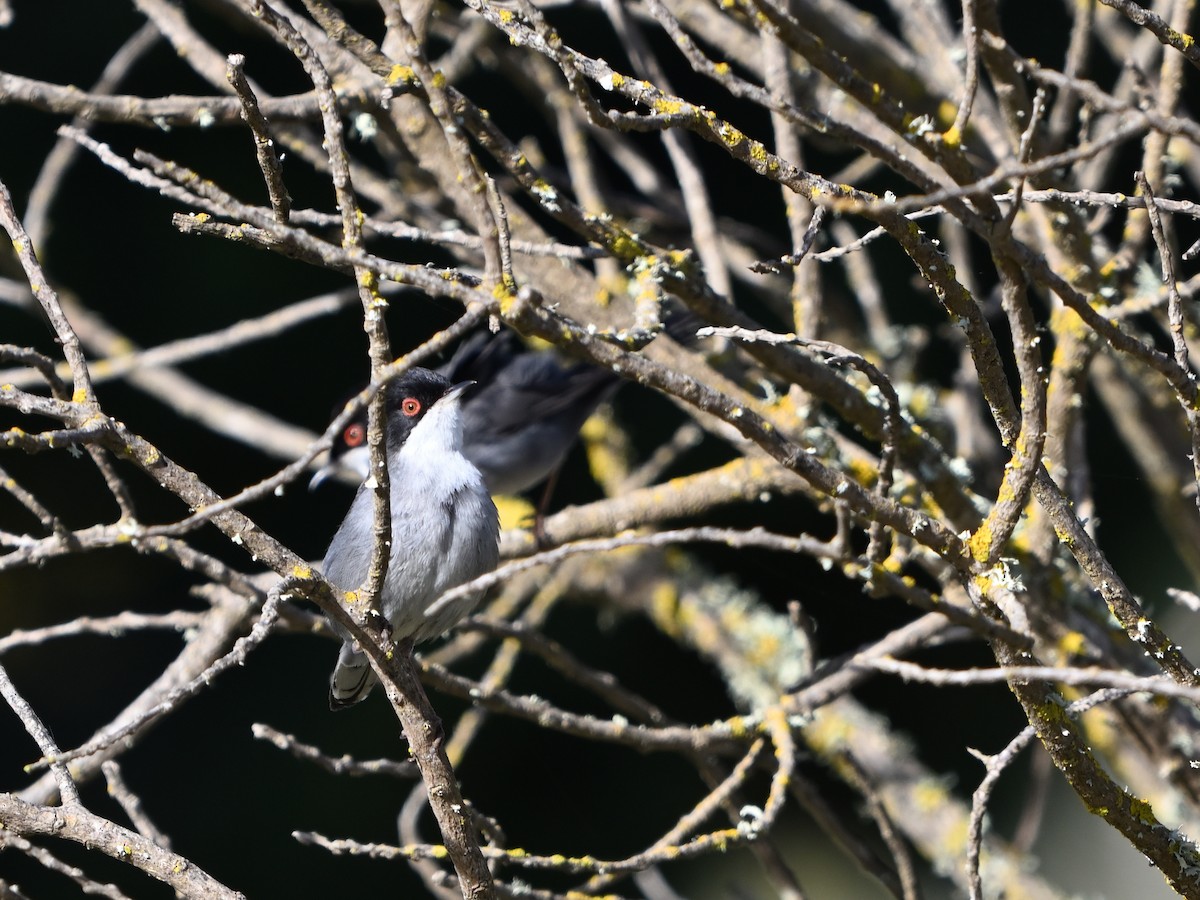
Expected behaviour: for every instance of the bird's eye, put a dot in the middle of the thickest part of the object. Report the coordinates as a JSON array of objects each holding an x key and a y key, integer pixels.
[
  {"x": 410, "y": 406},
  {"x": 354, "y": 434}
]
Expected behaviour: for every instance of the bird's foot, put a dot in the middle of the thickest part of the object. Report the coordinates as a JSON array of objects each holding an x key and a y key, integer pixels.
[{"x": 437, "y": 732}]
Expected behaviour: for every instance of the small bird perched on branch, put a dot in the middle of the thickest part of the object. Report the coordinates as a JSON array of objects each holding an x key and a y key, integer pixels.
[{"x": 445, "y": 529}]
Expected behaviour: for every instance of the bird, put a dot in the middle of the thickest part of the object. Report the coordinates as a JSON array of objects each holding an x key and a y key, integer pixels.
[
  {"x": 445, "y": 528},
  {"x": 518, "y": 426}
]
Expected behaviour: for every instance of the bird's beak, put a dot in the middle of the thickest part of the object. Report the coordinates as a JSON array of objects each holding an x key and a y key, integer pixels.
[
  {"x": 353, "y": 464},
  {"x": 456, "y": 392},
  {"x": 322, "y": 475}
]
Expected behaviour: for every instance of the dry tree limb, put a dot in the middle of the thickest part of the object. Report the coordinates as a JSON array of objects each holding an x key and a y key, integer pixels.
[{"x": 75, "y": 824}]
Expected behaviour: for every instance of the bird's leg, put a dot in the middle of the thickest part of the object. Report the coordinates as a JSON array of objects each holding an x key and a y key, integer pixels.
[
  {"x": 539, "y": 517},
  {"x": 437, "y": 732}
]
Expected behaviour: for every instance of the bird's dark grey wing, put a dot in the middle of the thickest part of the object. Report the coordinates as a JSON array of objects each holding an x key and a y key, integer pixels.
[
  {"x": 482, "y": 357},
  {"x": 537, "y": 387}
]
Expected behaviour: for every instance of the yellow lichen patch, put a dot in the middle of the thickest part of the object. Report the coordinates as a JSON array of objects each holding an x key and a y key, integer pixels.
[
  {"x": 1052, "y": 715},
  {"x": 668, "y": 107},
  {"x": 301, "y": 571},
  {"x": 863, "y": 472},
  {"x": 954, "y": 838},
  {"x": 1142, "y": 811},
  {"x": 783, "y": 408},
  {"x": 624, "y": 245},
  {"x": 1099, "y": 731},
  {"x": 733, "y": 618},
  {"x": 1072, "y": 643},
  {"x": 952, "y": 137},
  {"x": 515, "y": 512},
  {"x": 606, "y": 462},
  {"x": 756, "y": 469},
  {"x": 980, "y": 543},
  {"x": 929, "y": 794},
  {"x": 738, "y": 728},
  {"x": 731, "y": 136},
  {"x": 79, "y": 396},
  {"x": 921, "y": 402},
  {"x": 828, "y": 732},
  {"x": 1064, "y": 538},
  {"x": 1185, "y": 40},
  {"x": 401, "y": 73},
  {"x": 702, "y": 631},
  {"x": 721, "y": 68},
  {"x": 505, "y": 294},
  {"x": 1066, "y": 322},
  {"x": 664, "y": 603},
  {"x": 1109, "y": 267}
]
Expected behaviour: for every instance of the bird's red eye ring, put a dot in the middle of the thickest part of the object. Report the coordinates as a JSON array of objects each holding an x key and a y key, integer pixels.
[
  {"x": 410, "y": 406},
  {"x": 354, "y": 434}
]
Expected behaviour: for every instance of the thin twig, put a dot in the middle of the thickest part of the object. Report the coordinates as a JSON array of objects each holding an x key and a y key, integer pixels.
[
  {"x": 41, "y": 735},
  {"x": 341, "y": 765},
  {"x": 132, "y": 804},
  {"x": 264, "y": 144}
]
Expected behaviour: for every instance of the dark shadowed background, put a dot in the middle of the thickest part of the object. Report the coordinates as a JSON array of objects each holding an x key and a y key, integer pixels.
[{"x": 230, "y": 802}]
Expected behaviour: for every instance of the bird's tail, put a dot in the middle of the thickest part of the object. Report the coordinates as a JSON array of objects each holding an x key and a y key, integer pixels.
[{"x": 352, "y": 678}]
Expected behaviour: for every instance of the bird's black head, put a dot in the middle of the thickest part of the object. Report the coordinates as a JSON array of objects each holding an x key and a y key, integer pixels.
[
  {"x": 352, "y": 436},
  {"x": 408, "y": 399}
]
